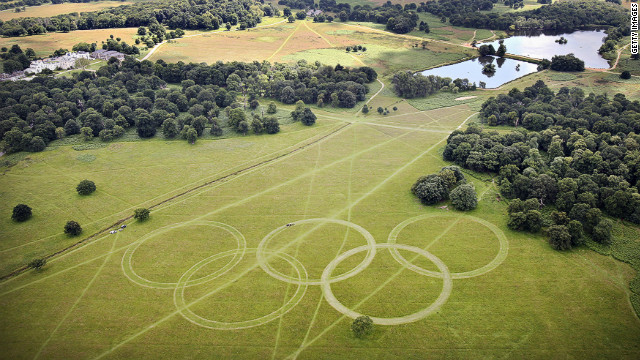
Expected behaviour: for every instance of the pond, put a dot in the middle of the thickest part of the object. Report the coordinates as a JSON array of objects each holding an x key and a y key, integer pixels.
[
  {"x": 583, "y": 44},
  {"x": 472, "y": 69}
]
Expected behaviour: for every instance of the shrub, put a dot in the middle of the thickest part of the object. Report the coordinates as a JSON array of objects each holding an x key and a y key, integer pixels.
[
  {"x": 464, "y": 197},
  {"x": 86, "y": 187},
  {"x": 21, "y": 212},
  {"x": 362, "y": 326},
  {"x": 37, "y": 264},
  {"x": 141, "y": 214},
  {"x": 72, "y": 228}
]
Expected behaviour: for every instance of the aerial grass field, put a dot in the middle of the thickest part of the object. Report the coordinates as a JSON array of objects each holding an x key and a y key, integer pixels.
[
  {"x": 267, "y": 246},
  {"x": 217, "y": 273}
]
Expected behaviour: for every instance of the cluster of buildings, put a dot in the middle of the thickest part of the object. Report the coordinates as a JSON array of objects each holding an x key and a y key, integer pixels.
[{"x": 64, "y": 62}]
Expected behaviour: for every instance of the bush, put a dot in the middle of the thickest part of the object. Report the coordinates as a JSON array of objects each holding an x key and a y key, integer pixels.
[
  {"x": 86, "y": 187},
  {"x": 141, "y": 214},
  {"x": 72, "y": 228},
  {"x": 464, "y": 197},
  {"x": 21, "y": 212},
  {"x": 362, "y": 326},
  {"x": 37, "y": 264}
]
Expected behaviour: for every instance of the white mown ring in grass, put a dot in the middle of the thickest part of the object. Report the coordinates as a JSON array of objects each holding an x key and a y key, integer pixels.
[
  {"x": 127, "y": 266},
  {"x": 181, "y": 305},
  {"x": 264, "y": 264},
  {"x": 502, "y": 252},
  {"x": 442, "y": 298}
]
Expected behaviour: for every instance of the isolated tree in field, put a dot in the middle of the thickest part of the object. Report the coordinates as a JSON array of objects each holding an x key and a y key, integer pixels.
[
  {"x": 228, "y": 26},
  {"x": 141, "y": 214},
  {"x": 37, "y": 264},
  {"x": 464, "y": 197},
  {"x": 21, "y": 212},
  {"x": 625, "y": 75},
  {"x": 72, "y": 228},
  {"x": 286, "y": 12},
  {"x": 380, "y": 110},
  {"x": 272, "y": 108},
  {"x": 271, "y": 125},
  {"x": 365, "y": 109},
  {"x": 86, "y": 187},
  {"x": 291, "y": 19},
  {"x": 142, "y": 31},
  {"x": 362, "y": 326}
]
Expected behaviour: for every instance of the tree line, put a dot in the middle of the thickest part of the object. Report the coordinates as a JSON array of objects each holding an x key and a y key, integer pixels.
[
  {"x": 182, "y": 14},
  {"x": 559, "y": 15},
  {"x": 412, "y": 85},
  {"x": 578, "y": 153},
  {"x": 134, "y": 94}
]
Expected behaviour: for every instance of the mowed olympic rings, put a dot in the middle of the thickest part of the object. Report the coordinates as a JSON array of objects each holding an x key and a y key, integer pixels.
[
  {"x": 442, "y": 298},
  {"x": 263, "y": 255},
  {"x": 264, "y": 263},
  {"x": 127, "y": 267},
  {"x": 181, "y": 305},
  {"x": 502, "y": 252}
]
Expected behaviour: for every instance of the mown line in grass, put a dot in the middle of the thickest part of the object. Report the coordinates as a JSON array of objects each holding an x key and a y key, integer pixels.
[{"x": 188, "y": 191}]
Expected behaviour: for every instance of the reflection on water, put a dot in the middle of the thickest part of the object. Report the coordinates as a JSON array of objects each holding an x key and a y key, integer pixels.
[
  {"x": 583, "y": 44},
  {"x": 506, "y": 70}
]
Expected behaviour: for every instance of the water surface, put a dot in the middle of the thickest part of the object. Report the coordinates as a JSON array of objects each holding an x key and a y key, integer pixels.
[
  {"x": 583, "y": 44},
  {"x": 472, "y": 69}
]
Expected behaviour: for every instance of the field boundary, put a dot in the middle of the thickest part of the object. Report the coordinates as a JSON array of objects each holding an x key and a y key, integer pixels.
[{"x": 174, "y": 197}]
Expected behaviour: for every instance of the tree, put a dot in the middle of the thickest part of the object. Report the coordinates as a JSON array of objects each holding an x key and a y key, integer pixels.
[
  {"x": 191, "y": 135},
  {"x": 602, "y": 232},
  {"x": 21, "y": 212},
  {"x": 291, "y": 19},
  {"x": 430, "y": 189},
  {"x": 485, "y": 50},
  {"x": 502, "y": 49},
  {"x": 142, "y": 31},
  {"x": 216, "y": 130},
  {"x": 243, "y": 127},
  {"x": 145, "y": 125},
  {"x": 257, "y": 126},
  {"x": 577, "y": 234},
  {"x": 71, "y": 127},
  {"x": 169, "y": 129},
  {"x": 72, "y": 228},
  {"x": 464, "y": 197},
  {"x": 271, "y": 125},
  {"x": 37, "y": 264},
  {"x": 301, "y": 15},
  {"x": 362, "y": 326},
  {"x": 625, "y": 75},
  {"x": 87, "y": 133},
  {"x": 365, "y": 109},
  {"x": 559, "y": 237},
  {"x": 141, "y": 214},
  {"x": 86, "y": 187},
  {"x": 272, "y": 109},
  {"x": 82, "y": 63},
  {"x": 308, "y": 117},
  {"x": 380, "y": 110}
]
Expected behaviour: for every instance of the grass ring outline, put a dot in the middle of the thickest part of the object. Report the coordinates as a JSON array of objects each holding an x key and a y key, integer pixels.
[
  {"x": 130, "y": 273},
  {"x": 419, "y": 315},
  {"x": 181, "y": 306},
  {"x": 264, "y": 264},
  {"x": 494, "y": 263}
]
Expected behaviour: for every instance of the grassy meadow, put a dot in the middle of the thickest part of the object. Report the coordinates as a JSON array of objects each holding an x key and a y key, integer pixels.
[{"x": 215, "y": 272}]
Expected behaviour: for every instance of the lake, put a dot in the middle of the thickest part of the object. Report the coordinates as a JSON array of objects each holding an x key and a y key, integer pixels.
[
  {"x": 583, "y": 44},
  {"x": 472, "y": 70}
]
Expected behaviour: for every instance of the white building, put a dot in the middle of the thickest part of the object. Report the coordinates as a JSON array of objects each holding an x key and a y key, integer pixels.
[{"x": 66, "y": 61}]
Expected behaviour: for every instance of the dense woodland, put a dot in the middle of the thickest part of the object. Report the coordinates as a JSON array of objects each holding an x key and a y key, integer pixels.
[
  {"x": 135, "y": 94},
  {"x": 174, "y": 14},
  {"x": 10, "y": 4},
  {"x": 579, "y": 153}
]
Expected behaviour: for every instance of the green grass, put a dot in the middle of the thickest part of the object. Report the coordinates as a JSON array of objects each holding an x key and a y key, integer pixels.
[
  {"x": 444, "y": 99},
  {"x": 361, "y": 174}
]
